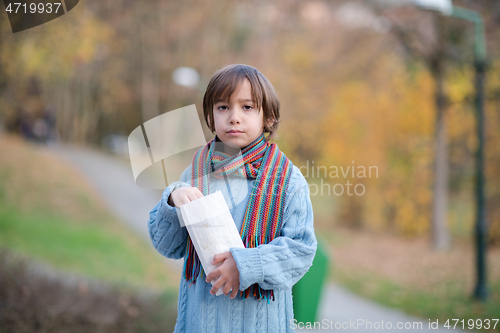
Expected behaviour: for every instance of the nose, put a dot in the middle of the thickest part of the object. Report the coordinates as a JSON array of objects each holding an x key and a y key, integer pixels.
[{"x": 234, "y": 117}]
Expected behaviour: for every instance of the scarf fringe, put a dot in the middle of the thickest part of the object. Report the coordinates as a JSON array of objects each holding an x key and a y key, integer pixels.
[{"x": 192, "y": 265}]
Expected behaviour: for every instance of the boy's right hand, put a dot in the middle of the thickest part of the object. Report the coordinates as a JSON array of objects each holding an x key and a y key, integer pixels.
[{"x": 184, "y": 195}]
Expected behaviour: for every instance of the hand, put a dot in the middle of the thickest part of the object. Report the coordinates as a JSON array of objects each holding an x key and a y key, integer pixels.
[
  {"x": 226, "y": 274},
  {"x": 184, "y": 195}
]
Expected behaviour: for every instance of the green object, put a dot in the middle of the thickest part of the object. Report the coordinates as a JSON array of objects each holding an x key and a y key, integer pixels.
[
  {"x": 307, "y": 292},
  {"x": 479, "y": 36}
]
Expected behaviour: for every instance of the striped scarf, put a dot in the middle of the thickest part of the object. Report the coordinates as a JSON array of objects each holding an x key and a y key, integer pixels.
[{"x": 263, "y": 218}]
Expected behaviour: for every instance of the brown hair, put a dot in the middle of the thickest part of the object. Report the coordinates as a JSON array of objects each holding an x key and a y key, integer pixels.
[{"x": 226, "y": 80}]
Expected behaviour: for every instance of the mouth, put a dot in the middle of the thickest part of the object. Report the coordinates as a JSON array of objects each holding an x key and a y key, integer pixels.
[{"x": 234, "y": 132}]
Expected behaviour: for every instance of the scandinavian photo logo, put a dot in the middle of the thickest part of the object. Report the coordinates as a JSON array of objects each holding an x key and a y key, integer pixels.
[{"x": 323, "y": 176}]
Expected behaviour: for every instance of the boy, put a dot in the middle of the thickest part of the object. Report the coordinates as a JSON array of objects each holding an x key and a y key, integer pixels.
[{"x": 270, "y": 204}]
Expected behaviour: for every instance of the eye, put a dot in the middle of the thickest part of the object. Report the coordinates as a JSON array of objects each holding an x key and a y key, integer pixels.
[
  {"x": 222, "y": 107},
  {"x": 247, "y": 107}
]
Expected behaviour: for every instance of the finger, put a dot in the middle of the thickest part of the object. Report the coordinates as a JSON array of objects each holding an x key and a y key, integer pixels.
[
  {"x": 183, "y": 200},
  {"x": 213, "y": 275},
  {"x": 220, "y": 257},
  {"x": 217, "y": 285},
  {"x": 195, "y": 194},
  {"x": 227, "y": 289},
  {"x": 214, "y": 290},
  {"x": 234, "y": 292},
  {"x": 188, "y": 198},
  {"x": 198, "y": 192},
  {"x": 192, "y": 196}
]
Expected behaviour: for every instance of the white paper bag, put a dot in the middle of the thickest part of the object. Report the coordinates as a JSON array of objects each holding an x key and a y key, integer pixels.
[{"x": 211, "y": 228}]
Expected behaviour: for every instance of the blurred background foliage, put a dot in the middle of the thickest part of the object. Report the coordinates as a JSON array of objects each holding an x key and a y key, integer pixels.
[
  {"x": 357, "y": 82},
  {"x": 350, "y": 88}
]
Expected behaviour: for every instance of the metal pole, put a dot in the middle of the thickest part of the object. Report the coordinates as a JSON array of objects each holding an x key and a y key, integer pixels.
[
  {"x": 481, "y": 230},
  {"x": 479, "y": 38},
  {"x": 481, "y": 290}
]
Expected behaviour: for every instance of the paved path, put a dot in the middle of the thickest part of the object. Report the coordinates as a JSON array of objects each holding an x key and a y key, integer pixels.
[
  {"x": 347, "y": 312},
  {"x": 340, "y": 310},
  {"x": 113, "y": 179}
]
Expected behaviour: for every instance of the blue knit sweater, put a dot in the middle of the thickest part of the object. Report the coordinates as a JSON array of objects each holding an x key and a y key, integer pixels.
[{"x": 277, "y": 265}]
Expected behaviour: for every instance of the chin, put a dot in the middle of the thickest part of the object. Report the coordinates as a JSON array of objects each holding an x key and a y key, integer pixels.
[
  {"x": 232, "y": 142},
  {"x": 236, "y": 143}
]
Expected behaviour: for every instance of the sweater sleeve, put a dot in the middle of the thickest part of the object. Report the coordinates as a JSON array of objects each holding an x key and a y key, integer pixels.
[
  {"x": 166, "y": 234},
  {"x": 282, "y": 262}
]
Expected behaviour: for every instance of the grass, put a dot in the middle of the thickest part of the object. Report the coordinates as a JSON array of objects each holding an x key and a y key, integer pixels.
[
  {"x": 448, "y": 301},
  {"x": 49, "y": 213},
  {"x": 84, "y": 249}
]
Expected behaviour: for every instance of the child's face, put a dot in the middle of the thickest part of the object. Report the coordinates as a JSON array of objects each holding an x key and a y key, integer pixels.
[{"x": 238, "y": 122}]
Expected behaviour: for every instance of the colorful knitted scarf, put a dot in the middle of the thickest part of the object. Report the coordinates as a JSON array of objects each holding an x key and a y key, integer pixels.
[{"x": 264, "y": 214}]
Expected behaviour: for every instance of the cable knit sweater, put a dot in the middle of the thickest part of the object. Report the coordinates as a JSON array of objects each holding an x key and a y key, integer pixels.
[{"x": 277, "y": 265}]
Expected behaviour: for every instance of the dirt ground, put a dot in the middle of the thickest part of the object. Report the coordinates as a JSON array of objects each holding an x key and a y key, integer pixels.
[{"x": 410, "y": 262}]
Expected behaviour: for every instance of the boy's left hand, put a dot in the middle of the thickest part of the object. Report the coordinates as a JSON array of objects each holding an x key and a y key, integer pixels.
[{"x": 227, "y": 275}]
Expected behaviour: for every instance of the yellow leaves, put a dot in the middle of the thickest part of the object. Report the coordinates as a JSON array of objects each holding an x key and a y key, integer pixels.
[
  {"x": 405, "y": 217},
  {"x": 298, "y": 56},
  {"x": 30, "y": 57},
  {"x": 493, "y": 77},
  {"x": 93, "y": 34},
  {"x": 53, "y": 50},
  {"x": 460, "y": 84},
  {"x": 387, "y": 121}
]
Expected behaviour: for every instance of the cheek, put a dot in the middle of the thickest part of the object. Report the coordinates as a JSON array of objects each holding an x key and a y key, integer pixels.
[
  {"x": 216, "y": 122},
  {"x": 262, "y": 122}
]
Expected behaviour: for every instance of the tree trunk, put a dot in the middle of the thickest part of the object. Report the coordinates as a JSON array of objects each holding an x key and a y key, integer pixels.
[
  {"x": 150, "y": 79},
  {"x": 440, "y": 234}
]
